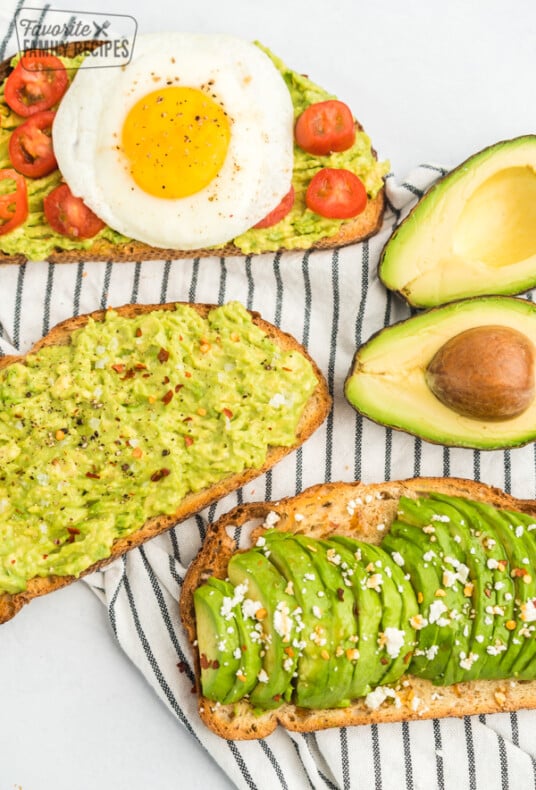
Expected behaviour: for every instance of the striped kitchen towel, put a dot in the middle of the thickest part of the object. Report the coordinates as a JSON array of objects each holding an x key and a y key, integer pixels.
[{"x": 331, "y": 301}]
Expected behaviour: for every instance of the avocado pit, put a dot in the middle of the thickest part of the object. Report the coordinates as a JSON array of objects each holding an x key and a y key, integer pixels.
[{"x": 485, "y": 373}]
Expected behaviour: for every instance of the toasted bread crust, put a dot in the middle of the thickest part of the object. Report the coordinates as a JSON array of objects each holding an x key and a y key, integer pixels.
[
  {"x": 314, "y": 414},
  {"x": 360, "y": 228},
  {"x": 325, "y": 510}
]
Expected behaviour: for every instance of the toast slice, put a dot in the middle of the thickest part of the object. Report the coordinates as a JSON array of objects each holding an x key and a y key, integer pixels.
[
  {"x": 351, "y": 231},
  {"x": 364, "y": 512},
  {"x": 313, "y": 414}
]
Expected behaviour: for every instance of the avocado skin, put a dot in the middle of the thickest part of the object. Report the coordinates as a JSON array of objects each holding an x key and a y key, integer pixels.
[
  {"x": 379, "y": 397},
  {"x": 269, "y": 588},
  {"x": 214, "y": 629},
  {"x": 429, "y": 211}
]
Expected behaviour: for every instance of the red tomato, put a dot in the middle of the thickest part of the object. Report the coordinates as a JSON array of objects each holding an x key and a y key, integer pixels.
[
  {"x": 325, "y": 127},
  {"x": 336, "y": 193},
  {"x": 279, "y": 212},
  {"x": 13, "y": 205},
  {"x": 30, "y": 146},
  {"x": 36, "y": 83},
  {"x": 69, "y": 215}
]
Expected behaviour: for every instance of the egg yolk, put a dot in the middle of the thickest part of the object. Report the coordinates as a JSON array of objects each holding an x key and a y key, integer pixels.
[{"x": 176, "y": 141}]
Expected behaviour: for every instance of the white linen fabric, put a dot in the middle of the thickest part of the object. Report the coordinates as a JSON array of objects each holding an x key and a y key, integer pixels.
[{"x": 331, "y": 301}]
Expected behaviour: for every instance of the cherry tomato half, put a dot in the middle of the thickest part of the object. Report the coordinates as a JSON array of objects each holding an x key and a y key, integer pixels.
[
  {"x": 279, "y": 212},
  {"x": 69, "y": 215},
  {"x": 30, "y": 146},
  {"x": 37, "y": 82},
  {"x": 325, "y": 127},
  {"x": 336, "y": 193},
  {"x": 14, "y": 204}
]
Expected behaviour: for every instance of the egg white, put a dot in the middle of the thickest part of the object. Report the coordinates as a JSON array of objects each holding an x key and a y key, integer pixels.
[{"x": 257, "y": 170}]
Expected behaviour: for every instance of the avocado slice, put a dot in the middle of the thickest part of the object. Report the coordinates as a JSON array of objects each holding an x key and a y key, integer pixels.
[
  {"x": 439, "y": 517},
  {"x": 294, "y": 564},
  {"x": 519, "y": 523},
  {"x": 423, "y": 564},
  {"x": 343, "y": 632},
  {"x": 392, "y": 641},
  {"x": 511, "y": 588},
  {"x": 218, "y": 641},
  {"x": 249, "y": 646},
  {"x": 369, "y": 668},
  {"x": 387, "y": 381},
  {"x": 266, "y": 586},
  {"x": 473, "y": 233},
  {"x": 484, "y": 555}
]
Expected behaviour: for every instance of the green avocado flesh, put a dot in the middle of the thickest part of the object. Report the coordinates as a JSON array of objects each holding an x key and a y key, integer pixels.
[
  {"x": 300, "y": 229},
  {"x": 448, "y": 596},
  {"x": 387, "y": 380},
  {"x": 98, "y": 436},
  {"x": 473, "y": 233}
]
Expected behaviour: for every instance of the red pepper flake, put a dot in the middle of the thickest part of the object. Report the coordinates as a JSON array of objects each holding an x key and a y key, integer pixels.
[
  {"x": 187, "y": 419},
  {"x": 518, "y": 572},
  {"x": 289, "y": 370},
  {"x": 93, "y": 475},
  {"x": 128, "y": 375},
  {"x": 178, "y": 387},
  {"x": 13, "y": 562},
  {"x": 183, "y": 666},
  {"x": 73, "y": 531},
  {"x": 215, "y": 664},
  {"x": 276, "y": 697},
  {"x": 167, "y": 397},
  {"x": 340, "y": 593},
  {"x": 487, "y": 592},
  {"x": 407, "y": 657},
  {"x": 156, "y": 476},
  {"x": 45, "y": 556},
  {"x": 384, "y": 661},
  {"x": 228, "y": 413},
  {"x": 118, "y": 368},
  {"x": 188, "y": 441},
  {"x": 138, "y": 332},
  {"x": 163, "y": 355},
  {"x": 188, "y": 374},
  {"x": 205, "y": 663},
  {"x": 140, "y": 366},
  {"x": 165, "y": 380}
]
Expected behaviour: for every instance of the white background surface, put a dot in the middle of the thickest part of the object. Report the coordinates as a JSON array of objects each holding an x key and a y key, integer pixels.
[{"x": 430, "y": 82}]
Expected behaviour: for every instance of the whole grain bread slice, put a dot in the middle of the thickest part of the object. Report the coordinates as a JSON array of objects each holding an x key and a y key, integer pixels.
[
  {"x": 364, "y": 512},
  {"x": 312, "y": 417},
  {"x": 351, "y": 231}
]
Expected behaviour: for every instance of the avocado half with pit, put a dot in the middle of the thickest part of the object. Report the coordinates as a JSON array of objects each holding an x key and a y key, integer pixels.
[
  {"x": 459, "y": 375},
  {"x": 473, "y": 233}
]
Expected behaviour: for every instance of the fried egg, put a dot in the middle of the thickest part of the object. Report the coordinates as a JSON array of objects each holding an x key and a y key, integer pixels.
[{"x": 188, "y": 146}]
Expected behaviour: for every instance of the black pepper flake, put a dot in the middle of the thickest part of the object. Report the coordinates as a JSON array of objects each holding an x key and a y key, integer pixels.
[{"x": 161, "y": 473}]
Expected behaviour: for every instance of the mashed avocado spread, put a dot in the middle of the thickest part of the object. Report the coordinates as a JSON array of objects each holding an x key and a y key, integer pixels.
[
  {"x": 98, "y": 436},
  {"x": 298, "y": 230}
]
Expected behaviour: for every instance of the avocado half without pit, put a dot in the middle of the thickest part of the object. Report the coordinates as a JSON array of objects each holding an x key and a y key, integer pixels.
[
  {"x": 459, "y": 375},
  {"x": 473, "y": 233}
]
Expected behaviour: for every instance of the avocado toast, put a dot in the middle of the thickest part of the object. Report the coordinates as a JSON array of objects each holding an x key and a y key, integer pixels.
[
  {"x": 120, "y": 423},
  {"x": 469, "y": 654},
  {"x": 36, "y": 239}
]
